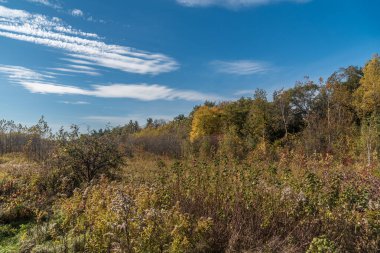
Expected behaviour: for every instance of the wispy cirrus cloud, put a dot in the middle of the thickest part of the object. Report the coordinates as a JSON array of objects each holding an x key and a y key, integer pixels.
[
  {"x": 240, "y": 67},
  {"x": 78, "y": 45},
  {"x": 74, "y": 102},
  {"x": 233, "y": 3},
  {"x": 46, "y": 3},
  {"x": 18, "y": 74},
  {"x": 45, "y": 84},
  {"x": 144, "y": 92},
  {"x": 78, "y": 69}
]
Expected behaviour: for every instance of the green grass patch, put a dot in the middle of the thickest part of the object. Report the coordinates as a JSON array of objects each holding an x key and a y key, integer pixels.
[{"x": 10, "y": 235}]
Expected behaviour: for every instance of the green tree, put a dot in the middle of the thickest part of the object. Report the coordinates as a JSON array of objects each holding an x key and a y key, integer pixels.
[
  {"x": 302, "y": 100},
  {"x": 260, "y": 117},
  {"x": 89, "y": 156},
  {"x": 281, "y": 101},
  {"x": 341, "y": 114},
  {"x": 235, "y": 115}
]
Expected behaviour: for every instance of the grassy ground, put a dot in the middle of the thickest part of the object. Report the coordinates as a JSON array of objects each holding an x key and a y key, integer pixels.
[
  {"x": 144, "y": 168},
  {"x": 292, "y": 205},
  {"x": 12, "y": 165},
  {"x": 138, "y": 170},
  {"x": 10, "y": 236}
]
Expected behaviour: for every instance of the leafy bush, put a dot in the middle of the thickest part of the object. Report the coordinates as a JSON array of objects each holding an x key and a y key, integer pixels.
[
  {"x": 322, "y": 245},
  {"x": 90, "y": 156},
  {"x": 119, "y": 218}
]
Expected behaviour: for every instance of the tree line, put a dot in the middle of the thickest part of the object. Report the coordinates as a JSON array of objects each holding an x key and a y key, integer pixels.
[{"x": 338, "y": 116}]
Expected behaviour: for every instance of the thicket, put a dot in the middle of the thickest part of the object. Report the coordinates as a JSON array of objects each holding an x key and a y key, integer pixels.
[{"x": 297, "y": 172}]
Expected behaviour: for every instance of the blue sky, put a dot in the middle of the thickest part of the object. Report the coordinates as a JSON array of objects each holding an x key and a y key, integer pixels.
[{"x": 94, "y": 62}]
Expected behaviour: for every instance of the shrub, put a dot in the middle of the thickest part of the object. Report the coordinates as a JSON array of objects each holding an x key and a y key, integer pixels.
[
  {"x": 111, "y": 217},
  {"x": 90, "y": 156},
  {"x": 322, "y": 245}
]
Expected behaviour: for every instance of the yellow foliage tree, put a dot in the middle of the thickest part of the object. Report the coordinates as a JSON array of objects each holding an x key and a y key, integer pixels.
[
  {"x": 367, "y": 96},
  {"x": 367, "y": 103},
  {"x": 206, "y": 121}
]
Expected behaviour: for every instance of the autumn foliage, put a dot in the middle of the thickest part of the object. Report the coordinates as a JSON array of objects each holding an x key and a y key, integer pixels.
[{"x": 296, "y": 172}]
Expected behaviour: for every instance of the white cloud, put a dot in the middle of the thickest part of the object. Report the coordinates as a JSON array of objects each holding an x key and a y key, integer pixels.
[
  {"x": 143, "y": 92},
  {"x": 77, "y": 13},
  {"x": 78, "y": 69},
  {"x": 17, "y": 73},
  {"x": 233, "y": 3},
  {"x": 75, "y": 102},
  {"x": 39, "y": 29},
  {"x": 77, "y": 61},
  {"x": 46, "y": 3},
  {"x": 39, "y": 83},
  {"x": 81, "y": 67},
  {"x": 240, "y": 67}
]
